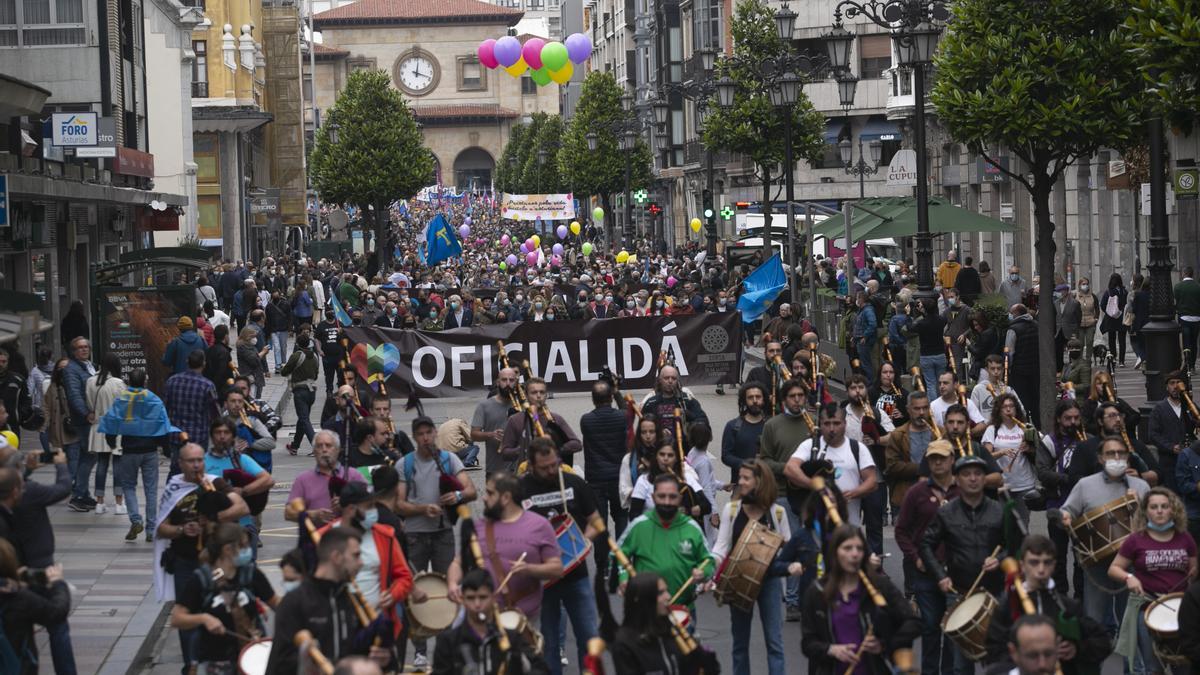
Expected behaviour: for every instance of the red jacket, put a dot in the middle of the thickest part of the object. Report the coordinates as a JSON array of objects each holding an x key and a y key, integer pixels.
[{"x": 395, "y": 577}]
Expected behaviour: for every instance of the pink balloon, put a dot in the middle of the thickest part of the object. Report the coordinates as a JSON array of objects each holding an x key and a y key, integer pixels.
[
  {"x": 530, "y": 245},
  {"x": 671, "y": 281},
  {"x": 487, "y": 53},
  {"x": 531, "y": 258},
  {"x": 531, "y": 51},
  {"x": 505, "y": 240},
  {"x": 556, "y": 261}
]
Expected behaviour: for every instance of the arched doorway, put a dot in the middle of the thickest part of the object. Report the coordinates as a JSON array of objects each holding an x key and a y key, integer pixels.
[{"x": 473, "y": 169}]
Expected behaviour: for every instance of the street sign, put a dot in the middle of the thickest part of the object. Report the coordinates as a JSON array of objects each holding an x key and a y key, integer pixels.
[
  {"x": 3, "y": 201},
  {"x": 1186, "y": 183}
]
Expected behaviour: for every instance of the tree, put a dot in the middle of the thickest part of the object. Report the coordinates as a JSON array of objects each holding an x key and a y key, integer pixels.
[
  {"x": 506, "y": 177},
  {"x": 1051, "y": 82},
  {"x": 1165, "y": 36},
  {"x": 544, "y": 178},
  {"x": 379, "y": 156},
  {"x": 601, "y": 172},
  {"x": 753, "y": 126}
]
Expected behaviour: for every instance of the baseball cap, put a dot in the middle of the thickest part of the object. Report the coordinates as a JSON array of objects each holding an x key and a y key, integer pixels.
[
  {"x": 941, "y": 447},
  {"x": 968, "y": 462},
  {"x": 1175, "y": 375},
  {"x": 354, "y": 493},
  {"x": 422, "y": 421}
]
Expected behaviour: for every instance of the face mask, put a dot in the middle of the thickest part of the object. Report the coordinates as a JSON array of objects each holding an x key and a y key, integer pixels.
[
  {"x": 1169, "y": 525},
  {"x": 1073, "y": 355},
  {"x": 1057, "y": 295},
  {"x": 1011, "y": 317},
  {"x": 607, "y": 299},
  {"x": 723, "y": 301},
  {"x": 393, "y": 311},
  {"x": 1084, "y": 288},
  {"x": 1014, "y": 277},
  {"x": 454, "y": 306},
  {"x": 630, "y": 305},
  {"x": 520, "y": 297},
  {"x": 244, "y": 557},
  {"x": 950, "y": 302},
  {"x": 1115, "y": 467},
  {"x": 371, "y": 301},
  {"x": 666, "y": 512},
  {"x": 289, "y": 586},
  {"x": 369, "y": 518},
  {"x": 549, "y": 317},
  {"x": 357, "y": 321},
  {"x": 658, "y": 303},
  {"x": 538, "y": 305},
  {"x": 433, "y": 314}
]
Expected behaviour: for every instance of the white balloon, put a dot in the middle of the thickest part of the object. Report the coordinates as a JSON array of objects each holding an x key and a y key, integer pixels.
[{"x": 700, "y": 257}]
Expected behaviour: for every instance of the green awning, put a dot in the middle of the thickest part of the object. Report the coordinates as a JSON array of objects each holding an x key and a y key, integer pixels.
[{"x": 899, "y": 219}]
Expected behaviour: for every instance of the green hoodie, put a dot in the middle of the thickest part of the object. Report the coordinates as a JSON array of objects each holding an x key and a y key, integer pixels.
[{"x": 671, "y": 552}]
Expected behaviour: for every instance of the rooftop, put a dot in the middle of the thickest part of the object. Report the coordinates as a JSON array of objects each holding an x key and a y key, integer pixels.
[
  {"x": 462, "y": 112},
  {"x": 365, "y": 12}
]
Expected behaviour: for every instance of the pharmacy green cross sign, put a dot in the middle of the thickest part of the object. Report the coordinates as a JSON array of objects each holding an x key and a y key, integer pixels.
[{"x": 726, "y": 212}]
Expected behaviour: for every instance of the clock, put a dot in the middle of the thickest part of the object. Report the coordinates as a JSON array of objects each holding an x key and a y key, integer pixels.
[{"x": 417, "y": 73}]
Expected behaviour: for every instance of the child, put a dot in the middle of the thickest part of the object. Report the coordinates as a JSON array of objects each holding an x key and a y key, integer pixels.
[{"x": 700, "y": 435}]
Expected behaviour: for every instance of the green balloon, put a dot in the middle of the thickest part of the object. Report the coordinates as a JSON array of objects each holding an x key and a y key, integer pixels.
[
  {"x": 541, "y": 76},
  {"x": 554, "y": 55},
  {"x": 503, "y": 265},
  {"x": 587, "y": 248},
  {"x": 597, "y": 213}
]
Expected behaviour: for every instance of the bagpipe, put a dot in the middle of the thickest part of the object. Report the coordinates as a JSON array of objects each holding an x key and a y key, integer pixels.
[
  {"x": 239, "y": 478},
  {"x": 472, "y": 553},
  {"x": 1067, "y": 627},
  {"x": 309, "y": 649}
]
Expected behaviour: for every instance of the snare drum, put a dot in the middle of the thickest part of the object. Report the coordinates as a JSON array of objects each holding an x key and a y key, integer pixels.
[
  {"x": 1162, "y": 622},
  {"x": 1098, "y": 534},
  {"x": 967, "y": 624},
  {"x": 254, "y": 656},
  {"x": 575, "y": 547},
  {"x": 741, "y": 575},
  {"x": 435, "y": 615},
  {"x": 515, "y": 621}
]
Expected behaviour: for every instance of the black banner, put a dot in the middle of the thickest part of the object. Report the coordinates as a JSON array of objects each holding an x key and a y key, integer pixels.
[{"x": 569, "y": 355}]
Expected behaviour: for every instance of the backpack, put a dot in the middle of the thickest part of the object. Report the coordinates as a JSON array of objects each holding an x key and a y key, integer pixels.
[{"x": 1113, "y": 308}]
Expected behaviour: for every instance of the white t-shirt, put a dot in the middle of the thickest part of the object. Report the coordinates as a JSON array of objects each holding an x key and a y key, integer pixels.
[
  {"x": 938, "y": 407},
  {"x": 368, "y": 575},
  {"x": 644, "y": 489},
  {"x": 847, "y": 472},
  {"x": 1018, "y": 472}
]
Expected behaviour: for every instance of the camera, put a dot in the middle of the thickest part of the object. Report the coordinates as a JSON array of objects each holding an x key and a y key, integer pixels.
[
  {"x": 33, "y": 577},
  {"x": 607, "y": 375}
]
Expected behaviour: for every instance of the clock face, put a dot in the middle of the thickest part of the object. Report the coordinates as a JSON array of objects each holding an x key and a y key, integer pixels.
[{"x": 417, "y": 74}]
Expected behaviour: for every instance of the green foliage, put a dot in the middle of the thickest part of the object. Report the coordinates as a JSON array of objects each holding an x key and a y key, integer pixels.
[
  {"x": 191, "y": 241},
  {"x": 1165, "y": 36},
  {"x": 601, "y": 172},
  {"x": 506, "y": 177},
  {"x": 752, "y": 126},
  {"x": 380, "y": 156},
  {"x": 995, "y": 307}
]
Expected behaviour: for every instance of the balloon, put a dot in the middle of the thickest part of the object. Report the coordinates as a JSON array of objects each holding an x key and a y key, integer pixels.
[
  {"x": 561, "y": 231},
  {"x": 467, "y": 220},
  {"x": 557, "y": 249},
  {"x": 511, "y": 260},
  {"x": 537, "y": 241},
  {"x": 503, "y": 265},
  {"x": 529, "y": 245},
  {"x": 517, "y": 69},
  {"x": 631, "y": 259},
  {"x": 532, "y": 52},
  {"x": 671, "y": 281},
  {"x": 696, "y": 224},
  {"x": 507, "y": 51},
  {"x": 487, "y": 53},
  {"x": 464, "y": 231},
  {"x": 700, "y": 257},
  {"x": 541, "y": 77},
  {"x": 505, "y": 240},
  {"x": 587, "y": 248},
  {"x": 598, "y": 213},
  {"x": 576, "y": 228},
  {"x": 524, "y": 248},
  {"x": 531, "y": 259},
  {"x": 622, "y": 257},
  {"x": 563, "y": 75},
  {"x": 579, "y": 47},
  {"x": 554, "y": 56},
  {"x": 555, "y": 260}
]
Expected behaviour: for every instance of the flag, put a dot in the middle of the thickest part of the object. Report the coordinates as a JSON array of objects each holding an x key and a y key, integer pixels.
[
  {"x": 441, "y": 242},
  {"x": 761, "y": 288},
  {"x": 343, "y": 317}
]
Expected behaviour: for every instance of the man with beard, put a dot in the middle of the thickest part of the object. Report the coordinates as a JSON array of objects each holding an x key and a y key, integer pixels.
[
  {"x": 1171, "y": 427},
  {"x": 520, "y": 429},
  {"x": 225, "y": 456},
  {"x": 491, "y": 415},
  {"x": 312, "y": 486},
  {"x": 370, "y": 437},
  {"x": 398, "y": 441},
  {"x": 669, "y": 396},
  {"x": 740, "y": 440},
  {"x": 768, "y": 375}
]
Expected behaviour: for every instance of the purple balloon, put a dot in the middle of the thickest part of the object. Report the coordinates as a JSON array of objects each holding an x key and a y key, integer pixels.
[
  {"x": 561, "y": 231},
  {"x": 558, "y": 249},
  {"x": 579, "y": 47},
  {"x": 507, "y": 50},
  {"x": 531, "y": 259},
  {"x": 467, "y": 220},
  {"x": 524, "y": 248},
  {"x": 532, "y": 52},
  {"x": 511, "y": 260},
  {"x": 464, "y": 231}
]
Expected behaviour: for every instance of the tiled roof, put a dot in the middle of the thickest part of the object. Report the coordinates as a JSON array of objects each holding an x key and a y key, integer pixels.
[
  {"x": 463, "y": 111},
  {"x": 417, "y": 11},
  {"x": 321, "y": 50}
]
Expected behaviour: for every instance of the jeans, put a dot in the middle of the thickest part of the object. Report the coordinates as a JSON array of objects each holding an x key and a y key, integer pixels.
[
  {"x": 608, "y": 501},
  {"x": 770, "y": 613},
  {"x": 103, "y": 459},
  {"x": 931, "y": 368},
  {"x": 580, "y": 604},
  {"x": 937, "y": 652},
  {"x": 1146, "y": 661},
  {"x": 79, "y": 463},
  {"x": 60, "y": 648},
  {"x": 872, "y": 519},
  {"x": 1105, "y": 608},
  {"x": 1138, "y": 340},
  {"x": 469, "y": 455},
  {"x": 279, "y": 348},
  {"x": 181, "y": 574},
  {"x": 430, "y": 550},
  {"x": 1087, "y": 336},
  {"x": 791, "y": 595},
  {"x": 864, "y": 359},
  {"x": 1191, "y": 330},
  {"x": 303, "y": 398},
  {"x": 44, "y": 438},
  {"x": 126, "y": 471},
  {"x": 962, "y": 665}
]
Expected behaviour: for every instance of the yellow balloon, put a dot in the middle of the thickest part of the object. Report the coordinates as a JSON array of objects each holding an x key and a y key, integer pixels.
[
  {"x": 575, "y": 228},
  {"x": 696, "y": 224},
  {"x": 631, "y": 259},
  {"x": 517, "y": 69},
  {"x": 622, "y": 257},
  {"x": 563, "y": 75},
  {"x": 537, "y": 241}
]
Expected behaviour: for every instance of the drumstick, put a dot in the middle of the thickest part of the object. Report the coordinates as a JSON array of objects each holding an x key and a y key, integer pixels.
[
  {"x": 689, "y": 582},
  {"x": 500, "y": 588},
  {"x": 979, "y": 578},
  {"x": 306, "y": 643}
]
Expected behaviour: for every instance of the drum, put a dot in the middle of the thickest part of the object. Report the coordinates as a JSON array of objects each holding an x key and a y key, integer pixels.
[
  {"x": 1098, "y": 534},
  {"x": 515, "y": 620},
  {"x": 741, "y": 575},
  {"x": 681, "y": 616},
  {"x": 435, "y": 615},
  {"x": 967, "y": 623},
  {"x": 1162, "y": 622},
  {"x": 254, "y": 656},
  {"x": 575, "y": 547}
]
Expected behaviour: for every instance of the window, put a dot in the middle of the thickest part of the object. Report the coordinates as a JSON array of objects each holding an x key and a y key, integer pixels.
[
  {"x": 200, "y": 69},
  {"x": 514, "y": 4},
  {"x": 535, "y": 4},
  {"x": 470, "y": 74},
  {"x": 875, "y": 53},
  {"x": 528, "y": 86},
  {"x": 41, "y": 23}
]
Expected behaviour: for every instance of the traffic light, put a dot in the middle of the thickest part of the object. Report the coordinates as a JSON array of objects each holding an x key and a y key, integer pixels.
[
  {"x": 709, "y": 212},
  {"x": 653, "y": 209}
]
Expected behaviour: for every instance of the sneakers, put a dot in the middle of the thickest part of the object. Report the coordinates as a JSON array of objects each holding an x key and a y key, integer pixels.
[
  {"x": 79, "y": 506},
  {"x": 291, "y": 449},
  {"x": 562, "y": 656},
  {"x": 149, "y": 537},
  {"x": 473, "y": 466},
  {"x": 120, "y": 510},
  {"x": 134, "y": 530},
  {"x": 1138, "y": 364},
  {"x": 420, "y": 663},
  {"x": 794, "y": 613},
  {"x": 101, "y": 508}
]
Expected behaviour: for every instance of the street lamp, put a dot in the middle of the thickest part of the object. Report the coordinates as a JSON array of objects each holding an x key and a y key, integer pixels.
[
  {"x": 333, "y": 132},
  {"x": 541, "y": 159},
  {"x": 785, "y": 23},
  {"x": 861, "y": 168},
  {"x": 593, "y": 140},
  {"x": 847, "y": 86}
]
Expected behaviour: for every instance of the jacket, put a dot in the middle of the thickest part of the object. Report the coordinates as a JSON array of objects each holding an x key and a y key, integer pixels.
[
  {"x": 178, "y": 350},
  {"x": 451, "y": 319},
  {"x": 516, "y": 437},
  {"x": 672, "y": 551},
  {"x": 217, "y": 362},
  {"x": 395, "y": 577},
  {"x": 900, "y": 470},
  {"x": 75, "y": 378},
  {"x": 459, "y": 651},
  {"x": 1091, "y": 648},
  {"x": 635, "y": 654},
  {"x": 896, "y": 626},
  {"x": 31, "y": 521},
  {"x": 14, "y": 391},
  {"x": 1070, "y": 315},
  {"x": 781, "y": 435},
  {"x": 323, "y": 608},
  {"x": 1187, "y": 297},
  {"x": 969, "y": 535},
  {"x": 301, "y": 369},
  {"x": 24, "y": 607},
  {"x": 59, "y": 429},
  {"x": 1168, "y": 430},
  {"x": 279, "y": 317},
  {"x": 1187, "y": 477},
  {"x": 920, "y": 507},
  {"x": 603, "y": 431},
  {"x": 947, "y": 273},
  {"x": 968, "y": 284},
  {"x": 1024, "y": 359}
]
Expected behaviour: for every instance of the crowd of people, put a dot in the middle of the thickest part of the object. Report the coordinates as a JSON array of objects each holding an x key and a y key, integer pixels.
[{"x": 930, "y": 431}]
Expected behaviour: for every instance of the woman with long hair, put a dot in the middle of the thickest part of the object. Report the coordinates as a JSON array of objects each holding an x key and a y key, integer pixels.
[
  {"x": 1159, "y": 557},
  {"x": 59, "y": 431},
  {"x": 984, "y": 341},
  {"x": 1097, "y": 394},
  {"x": 646, "y": 440},
  {"x": 250, "y": 359},
  {"x": 102, "y": 389},
  {"x": 755, "y": 503},
  {"x": 1005, "y": 439},
  {"x": 843, "y": 627},
  {"x": 666, "y": 460},
  {"x": 643, "y": 644},
  {"x": 1112, "y": 306}
]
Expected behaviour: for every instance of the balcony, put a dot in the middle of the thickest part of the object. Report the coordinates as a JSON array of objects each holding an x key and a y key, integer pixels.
[
  {"x": 199, "y": 90},
  {"x": 901, "y": 102},
  {"x": 693, "y": 153}
]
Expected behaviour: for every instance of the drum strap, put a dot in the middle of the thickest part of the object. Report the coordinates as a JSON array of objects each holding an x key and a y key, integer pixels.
[{"x": 498, "y": 570}]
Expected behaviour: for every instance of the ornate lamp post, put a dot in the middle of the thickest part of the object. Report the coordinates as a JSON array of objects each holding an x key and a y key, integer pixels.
[
  {"x": 861, "y": 168},
  {"x": 627, "y": 129}
]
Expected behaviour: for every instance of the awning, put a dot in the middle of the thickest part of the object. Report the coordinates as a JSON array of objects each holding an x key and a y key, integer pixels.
[
  {"x": 897, "y": 217},
  {"x": 835, "y": 128},
  {"x": 879, "y": 129}
]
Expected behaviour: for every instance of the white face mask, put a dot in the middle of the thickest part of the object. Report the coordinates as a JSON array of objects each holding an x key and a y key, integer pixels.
[{"x": 1115, "y": 467}]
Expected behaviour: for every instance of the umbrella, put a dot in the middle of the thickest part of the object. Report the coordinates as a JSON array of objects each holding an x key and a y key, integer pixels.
[{"x": 900, "y": 220}]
